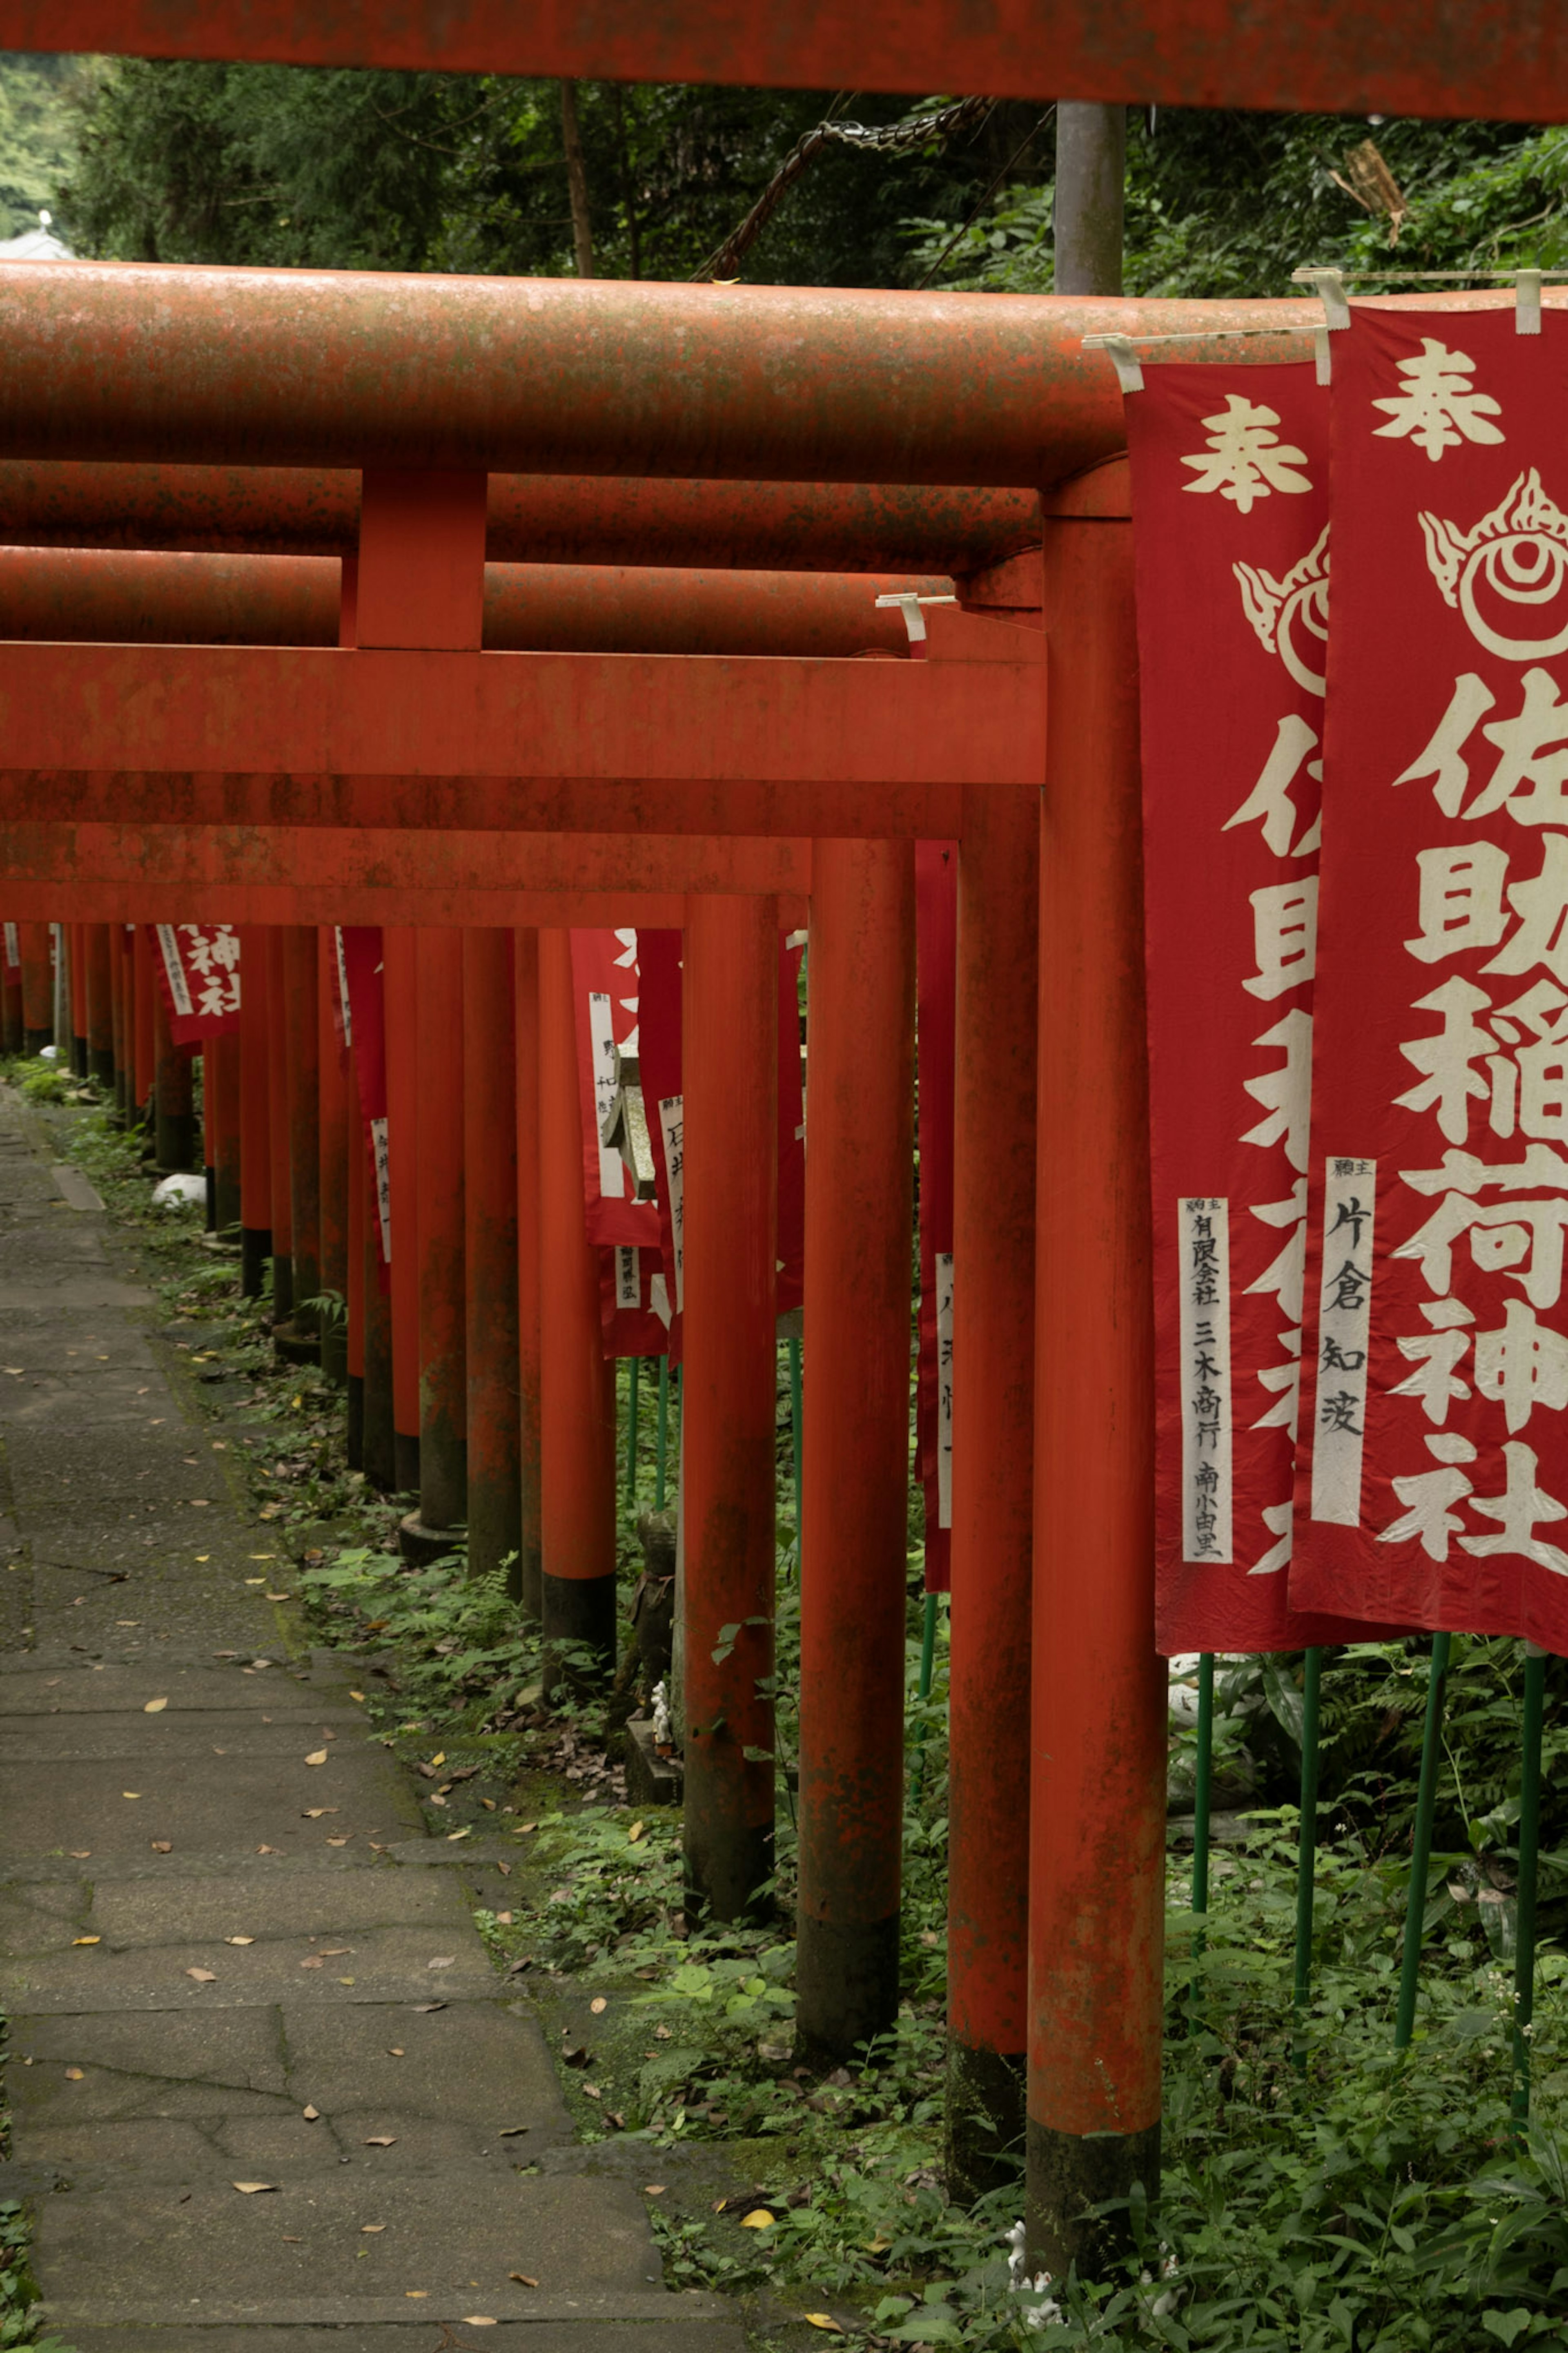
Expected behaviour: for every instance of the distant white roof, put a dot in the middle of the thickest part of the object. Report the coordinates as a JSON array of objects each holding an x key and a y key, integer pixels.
[{"x": 34, "y": 245}]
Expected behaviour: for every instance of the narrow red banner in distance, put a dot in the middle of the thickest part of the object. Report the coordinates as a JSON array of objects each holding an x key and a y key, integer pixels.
[
  {"x": 362, "y": 977},
  {"x": 936, "y": 988},
  {"x": 617, "y": 1152},
  {"x": 1230, "y": 508},
  {"x": 199, "y": 970},
  {"x": 1436, "y": 1486}
]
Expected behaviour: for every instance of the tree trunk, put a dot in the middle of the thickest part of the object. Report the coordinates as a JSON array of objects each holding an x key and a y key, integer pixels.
[
  {"x": 577, "y": 182},
  {"x": 1091, "y": 149}
]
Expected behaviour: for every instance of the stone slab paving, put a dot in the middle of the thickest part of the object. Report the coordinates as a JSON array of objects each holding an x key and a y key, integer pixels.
[{"x": 222, "y": 1962}]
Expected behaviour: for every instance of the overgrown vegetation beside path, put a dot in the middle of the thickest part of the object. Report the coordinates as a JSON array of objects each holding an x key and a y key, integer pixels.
[{"x": 1317, "y": 2198}]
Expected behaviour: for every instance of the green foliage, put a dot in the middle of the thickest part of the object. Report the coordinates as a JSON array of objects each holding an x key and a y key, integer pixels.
[
  {"x": 36, "y": 134},
  {"x": 1226, "y": 205}
]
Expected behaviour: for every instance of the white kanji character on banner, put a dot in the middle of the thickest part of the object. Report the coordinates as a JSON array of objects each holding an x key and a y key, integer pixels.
[
  {"x": 1532, "y": 1089},
  {"x": 1276, "y": 1519},
  {"x": 1268, "y": 804},
  {"x": 1245, "y": 459},
  {"x": 1437, "y": 1356},
  {"x": 1429, "y": 1518},
  {"x": 1449, "y": 1083},
  {"x": 198, "y": 949},
  {"x": 1519, "y": 1508},
  {"x": 1532, "y": 758},
  {"x": 1461, "y": 900},
  {"x": 1284, "y": 935},
  {"x": 1541, "y": 902},
  {"x": 1286, "y": 1092},
  {"x": 1524, "y": 1239},
  {"x": 1444, "y": 757},
  {"x": 1437, "y": 407},
  {"x": 1523, "y": 1365}
]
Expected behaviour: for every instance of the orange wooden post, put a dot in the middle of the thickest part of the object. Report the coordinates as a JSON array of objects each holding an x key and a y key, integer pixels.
[
  {"x": 333, "y": 1176},
  {"x": 728, "y": 1385},
  {"x": 490, "y": 1153},
  {"x": 148, "y": 997},
  {"x": 221, "y": 1088},
  {"x": 277, "y": 1127},
  {"x": 38, "y": 1004},
  {"x": 174, "y": 1129},
  {"x": 401, "y": 996},
  {"x": 100, "y": 1005},
  {"x": 1098, "y": 1800},
  {"x": 120, "y": 1025},
  {"x": 76, "y": 935},
  {"x": 379, "y": 1438},
  {"x": 577, "y": 1402},
  {"x": 300, "y": 1046},
  {"x": 993, "y": 1348},
  {"x": 353, "y": 1287},
  {"x": 855, "y": 1446},
  {"x": 438, "y": 1149},
  {"x": 255, "y": 1115},
  {"x": 11, "y": 1036},
  {"x": 525, "y": 969}
]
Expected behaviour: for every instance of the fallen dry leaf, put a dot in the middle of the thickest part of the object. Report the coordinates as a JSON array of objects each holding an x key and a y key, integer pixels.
[
  {"x": 163, "y": 1846},
  {"x": 424, "y": 2006},
  {"x": 524, "y": 2279},
  {"x": 239, "y": 1940},
  {"x": 458, "y": 1834},
  {"x": 317, "y": 1757},
  {"x": 636, "y": 1832},
  {"x": 81, "y": 1855},
  {"x": 504, "y": 1869},
  {"x": 825, "y": 2320},
  {"x": 504, "y": 1918},
  {"x": 311, "y": 1961},
  {"x": 154, "y": 1706},
  {"x": 268, "y": 1850},
  {"x": 277, "y": 1596},
  {"x": 509, "y": 2132},
  {"x": 653, "y": 2189},
  {"x": 380, "y": 2140},
  {"x": 339, "y": 1842},
  {"x": 478, "y": 2320},
  {"x": 439, "y": 1757},
  {"x": 345, "y": 1980},
  {"x": 311, "y": 2114},
  {"x": 203, "y": 1976},
  {"x": 73, "y": 2074},
  {"x": 394, "y": 2051},
  {"x": 335, "y": 1952},
  {"x": 758, "y": 2219},
  {"x": 131, "y": 1793},
  {"x": 442, "y": 1961},
  {"x": 372, "y": 2230},
  {"x": 359, "y": 1696},
  {"x": 314, "y": 1813},
  {"x": 250, "y": 2189},
  {"x": 87, "y": 1940},
  {"x": 598, "y": 2005},
  {"x": 415, "y": 2292}
]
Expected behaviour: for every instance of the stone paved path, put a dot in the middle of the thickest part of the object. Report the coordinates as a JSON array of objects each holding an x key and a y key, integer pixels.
[{"x": 139, "y": 1846}]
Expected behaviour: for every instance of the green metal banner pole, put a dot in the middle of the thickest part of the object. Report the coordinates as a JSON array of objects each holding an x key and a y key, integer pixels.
[
  {"x": 1201, "y": 1807},
  {"x": 928, "y": 1646},
  {"x": 1529, "y": 1854},
  {"x": 1421, "y": 1852},
  {"x": 632, "y": 1430},
  {"x": 661, "y": 1435},
  {"x": 1307, "y": 1852}
]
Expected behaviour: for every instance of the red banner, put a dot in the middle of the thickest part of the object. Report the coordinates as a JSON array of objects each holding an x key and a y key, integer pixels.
[
  {"x": 1436, "y": 1485},
  {"x": 1230, "y": 501},
  {"x": 362, "y": 1008},
  {"x": 199, "y": 967},
  {"x": 618, "y": 1152}
]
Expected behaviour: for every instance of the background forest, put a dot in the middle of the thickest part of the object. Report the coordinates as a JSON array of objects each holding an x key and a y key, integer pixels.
[{"x": 292, "y": 166}]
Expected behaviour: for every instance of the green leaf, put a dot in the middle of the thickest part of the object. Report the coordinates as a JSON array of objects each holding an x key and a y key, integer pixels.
[{"x": 1507, "y": 2326}]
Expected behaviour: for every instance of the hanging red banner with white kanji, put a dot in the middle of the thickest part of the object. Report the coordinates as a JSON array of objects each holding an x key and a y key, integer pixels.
[
  {"x": 198, "y": 965},
  {"x": 362, "y": 1011},
  {"x": 618, "y": 1152},
  {"x": 1230, "y": 506},
  {"x": 936, "y": 1015},
  {"x": 1435, "y": 1487}
]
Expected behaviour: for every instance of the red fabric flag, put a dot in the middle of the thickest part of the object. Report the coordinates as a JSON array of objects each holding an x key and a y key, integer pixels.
[
  {"x": 362, "y": 977},
  {"x": 618, "y": 1165},
  {"x": 1437, "y": 1485},
  {"x": 936, "y": 990},
  {"x": 1230, "y": 506},
  {"x": 632, "y": 1324},
  {"x": 198, "y": 965}
]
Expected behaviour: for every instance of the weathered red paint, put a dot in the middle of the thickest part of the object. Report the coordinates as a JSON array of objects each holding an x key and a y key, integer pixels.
[
  {"x": 1096, "y": 1813},
  {"x": 332, "y": 1171},
  {"x": 99, "y": 1008},
  {"x": 525, "y": 969},
  {"x": 729, "y": 1382},
  {"x": 37, "y": 1001},
  {"x": 403, "y": 1123},
  {"x": 192, "y": 364},
  {"x": 438, "y": 1149},
  {"x": 301, "y": 1052},
  {"x": 278, "y": 1123},
  {"x": 145, "y": 985},
  {"x": 254, "y": 1093},
  {"x": 577, "y": 1402},
  {"x": 553, "y": 519},
  {"x": 490, "y": 1186},
  {"x": 1409, "y": 59},
  {"x": 107, "y": 596},
  {"x": 621, "y": 718},
  {"x": 855, "y": 1446}
]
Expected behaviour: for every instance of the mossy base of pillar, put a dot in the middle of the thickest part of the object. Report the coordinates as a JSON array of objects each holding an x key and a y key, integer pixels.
[
  {"x": 254, "y": 1249},
  {"x": 985, "y": 2123},
  {"x": 295, "y": 1346},
  {"x": 847, "y": 1985},
  {"x": 577, "y": 1619},
  {"x": 1068, "y": 2174},
  {"x": 334, "y": 1346},
  {"x": 420, "y": 1545}
]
